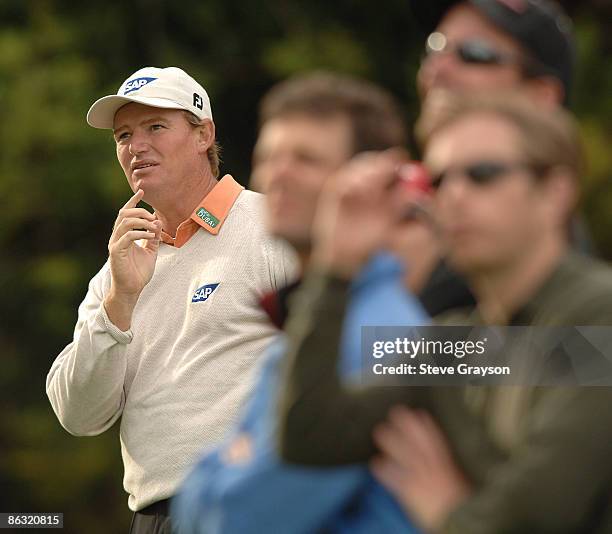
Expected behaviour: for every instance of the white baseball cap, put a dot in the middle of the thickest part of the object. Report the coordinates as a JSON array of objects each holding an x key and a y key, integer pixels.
[{"x": 170, "y": 88}]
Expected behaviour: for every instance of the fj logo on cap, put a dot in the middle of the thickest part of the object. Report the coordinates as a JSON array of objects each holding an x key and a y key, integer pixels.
[
  {"x": 207, "y": 217},
  {"x": 202, "y": 293},
  {"x": 134, "y": 85},
  {"x": 197, "y": 101}
]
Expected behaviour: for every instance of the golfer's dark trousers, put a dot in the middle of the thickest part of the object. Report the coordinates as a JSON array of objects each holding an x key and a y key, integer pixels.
[{"x": 154, "y": 519}]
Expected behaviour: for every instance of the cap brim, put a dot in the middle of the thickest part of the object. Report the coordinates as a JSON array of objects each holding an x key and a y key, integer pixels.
[
  {"x": 428, "y": 15},
  {"x": 102, "y": 113}
]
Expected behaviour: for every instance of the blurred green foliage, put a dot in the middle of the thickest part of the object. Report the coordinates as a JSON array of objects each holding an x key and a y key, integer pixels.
[{"x": 60, "y": 185}]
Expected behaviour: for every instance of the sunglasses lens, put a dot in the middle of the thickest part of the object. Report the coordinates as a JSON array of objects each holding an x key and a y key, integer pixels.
[
  {"x": 478, "y": 53},
  {"x": 479, "y": 174},
  {"x": 486, "y": 172}
]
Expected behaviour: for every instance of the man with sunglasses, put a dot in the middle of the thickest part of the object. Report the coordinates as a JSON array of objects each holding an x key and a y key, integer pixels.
[
  {"x": 477, "y": 460},
  {"x": 491, "y": 45},
  {"x": 488, "y": 46}
]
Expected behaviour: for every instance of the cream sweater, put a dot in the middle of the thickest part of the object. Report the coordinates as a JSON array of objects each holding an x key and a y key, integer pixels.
[{"x": 178, "y": 378}]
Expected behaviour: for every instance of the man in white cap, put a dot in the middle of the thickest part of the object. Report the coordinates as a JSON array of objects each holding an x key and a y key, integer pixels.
[{"x": 170, "y": 328}]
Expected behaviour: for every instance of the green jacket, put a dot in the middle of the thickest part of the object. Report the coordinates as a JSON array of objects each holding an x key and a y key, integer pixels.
[{"x": 540, "y": 459}]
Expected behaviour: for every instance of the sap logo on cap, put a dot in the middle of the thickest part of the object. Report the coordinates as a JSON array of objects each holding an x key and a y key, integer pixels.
[
  {"x": 202, "y": 293},
  {"x": 134, "y": 85}
]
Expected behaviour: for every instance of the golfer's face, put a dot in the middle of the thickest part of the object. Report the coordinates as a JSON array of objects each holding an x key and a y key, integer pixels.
[{"x": 157, "y": 149}]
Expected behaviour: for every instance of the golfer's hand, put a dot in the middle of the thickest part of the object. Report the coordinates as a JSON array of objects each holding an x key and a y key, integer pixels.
[{"x": 132, "y": 264}]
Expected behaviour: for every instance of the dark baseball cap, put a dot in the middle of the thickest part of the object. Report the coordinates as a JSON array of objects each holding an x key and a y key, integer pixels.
[{"x": 540, "y": 26}]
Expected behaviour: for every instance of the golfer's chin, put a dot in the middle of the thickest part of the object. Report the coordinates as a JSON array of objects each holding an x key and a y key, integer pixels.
[{"x": 148, "y": 185}]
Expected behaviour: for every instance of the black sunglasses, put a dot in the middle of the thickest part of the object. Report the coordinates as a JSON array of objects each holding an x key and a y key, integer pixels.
[
  {"x": 479, "y": 173},
  {"x": 470, "y": 51}
]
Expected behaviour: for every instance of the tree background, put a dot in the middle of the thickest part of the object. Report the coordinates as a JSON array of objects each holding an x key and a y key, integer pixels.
[{"x": 60, "y": 184}]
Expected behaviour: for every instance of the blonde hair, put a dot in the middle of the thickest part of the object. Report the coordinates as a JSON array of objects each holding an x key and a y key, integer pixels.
[
  {"x": 214, "y": 152},
  {"x": 549, "y": 137}
]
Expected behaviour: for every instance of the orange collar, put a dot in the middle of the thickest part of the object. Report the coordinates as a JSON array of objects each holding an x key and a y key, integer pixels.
[{"x": 209, "y": 214}]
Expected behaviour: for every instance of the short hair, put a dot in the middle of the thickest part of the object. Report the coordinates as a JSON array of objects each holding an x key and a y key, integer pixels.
[
  {"x": 373, "y": 112},
  {"x": 549, "y": 137},
  {"x": 214, "y": 151}
]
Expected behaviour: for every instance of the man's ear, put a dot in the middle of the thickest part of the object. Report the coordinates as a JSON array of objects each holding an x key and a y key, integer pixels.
[
  {"x": 546, "y": 90},
  {"x": 562, "y": 190},
  {"x": 206, "y": 135}
]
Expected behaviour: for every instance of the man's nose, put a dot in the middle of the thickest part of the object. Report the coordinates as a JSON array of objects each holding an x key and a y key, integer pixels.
[
  {"x": 437, "y": 69},
  {"x": 280, "y": 169},
  {"x": 138, "y": 144},
  {"x": 454, "y": 190}
]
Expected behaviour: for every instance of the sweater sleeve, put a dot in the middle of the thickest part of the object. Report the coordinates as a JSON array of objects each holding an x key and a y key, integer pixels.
[
  {"x": 554, "y": 478},
  {"x": 86, "y": 382},
  {"x": 282, "y": 263},
  {"x": 322, "y": 421}
]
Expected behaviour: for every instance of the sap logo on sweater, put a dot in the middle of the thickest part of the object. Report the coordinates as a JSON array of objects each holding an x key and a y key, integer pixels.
[
  {"x": 202, "y": 293},
  {"x": 137, "y": 83}
]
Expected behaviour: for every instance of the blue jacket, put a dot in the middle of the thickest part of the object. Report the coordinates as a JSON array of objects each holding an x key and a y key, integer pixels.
[{"x": 256, "y": 492}]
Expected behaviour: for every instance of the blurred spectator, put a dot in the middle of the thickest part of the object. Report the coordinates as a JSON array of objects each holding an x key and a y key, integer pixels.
[
  {"x": 487, "y": 46},
  {"x": 311, "y": 125},
  {"x": 501, "y": 45},
  {"x": 485, "y": 459}
]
